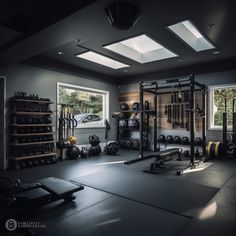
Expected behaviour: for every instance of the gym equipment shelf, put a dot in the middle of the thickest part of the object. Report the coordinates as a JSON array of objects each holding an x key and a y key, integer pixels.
[
  {"x": 34, "y": 156},
  {"x": 32, "y": 143},
  {"x": 31, "y": 113},
  {"x": 32, "y": 134},
  {"x": 31, "y": 101},
  {"x": 28, "y": 110},
  {"x": 31, "y": 125}
]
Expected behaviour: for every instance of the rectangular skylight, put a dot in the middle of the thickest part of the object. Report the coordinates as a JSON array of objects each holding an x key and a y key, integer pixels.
[
  {"x": 191, "y": 35},
  {"x": 141, "y": 49},
  {"x": 103, "y": 60}
]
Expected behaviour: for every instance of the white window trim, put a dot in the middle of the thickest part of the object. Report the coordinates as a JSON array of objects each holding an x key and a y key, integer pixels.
[
  {"x": 103, "y": 92},
  {"x": 210, "y": 103}
]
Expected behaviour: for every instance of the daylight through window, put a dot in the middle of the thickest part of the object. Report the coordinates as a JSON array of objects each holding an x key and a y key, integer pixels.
[
  {"x": 217, "y": 96},
  {"x": 90, "y": 105}
]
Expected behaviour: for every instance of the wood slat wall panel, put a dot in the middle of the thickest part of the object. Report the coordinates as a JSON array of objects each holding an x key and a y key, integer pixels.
[{"x": 163, "y": 100}]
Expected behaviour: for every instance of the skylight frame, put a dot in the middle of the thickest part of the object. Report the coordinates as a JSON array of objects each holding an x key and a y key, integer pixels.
[
  {"x": 135, "y": 60},
  {"x": 102, "y": 55},
  {"x": 196, "y": 28}
]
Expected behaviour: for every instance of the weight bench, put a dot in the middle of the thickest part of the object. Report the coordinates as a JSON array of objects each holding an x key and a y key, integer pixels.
[
  {"x": 163, "y": 156},
  {"x": 29, "y": 197}
]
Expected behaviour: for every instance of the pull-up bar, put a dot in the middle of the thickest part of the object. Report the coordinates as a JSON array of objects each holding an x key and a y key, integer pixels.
[{"x": 154, "y": 87}]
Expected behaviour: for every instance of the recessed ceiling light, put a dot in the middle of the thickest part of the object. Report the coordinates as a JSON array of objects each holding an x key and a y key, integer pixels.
[
  {"x": 211, "y": 26},
  {"x": 125, "y": 71},
  {"x": 216, "y": 52},
  {"x": 191, "y": 35},
  {"x": 103, "y": 60},
  {"x": 60, "y": 53},
  {"x": 141, "y": 48},
  {"x": 180, "y": 60}
]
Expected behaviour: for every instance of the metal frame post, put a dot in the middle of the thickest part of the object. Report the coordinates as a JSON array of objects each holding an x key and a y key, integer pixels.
[
  {"x": 204, "y": 122},
  {"x": 192, "y": 120},
  {"x": 155, "y": 119},
  {"x": 141, "y": 119}
]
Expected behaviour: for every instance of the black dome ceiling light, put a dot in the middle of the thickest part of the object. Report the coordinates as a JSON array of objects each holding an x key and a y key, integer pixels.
[{"x": 122, "y": 15}]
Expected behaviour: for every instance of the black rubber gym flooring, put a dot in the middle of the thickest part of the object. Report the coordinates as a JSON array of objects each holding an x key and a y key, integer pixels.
[
  {"x": 199, "y": 203},
  {"x": 168, "y": 194}
]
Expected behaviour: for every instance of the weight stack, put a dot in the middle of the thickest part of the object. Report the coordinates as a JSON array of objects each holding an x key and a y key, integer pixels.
[{"x": 215, "y": 150}]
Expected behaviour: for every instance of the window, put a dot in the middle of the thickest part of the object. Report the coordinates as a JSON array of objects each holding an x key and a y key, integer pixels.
[
  {"x": 217, "y": 95},
  {"x": 90, "y": 105}
]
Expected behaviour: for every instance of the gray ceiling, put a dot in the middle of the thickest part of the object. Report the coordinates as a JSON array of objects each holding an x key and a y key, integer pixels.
[{"x": 91, "y": 28}]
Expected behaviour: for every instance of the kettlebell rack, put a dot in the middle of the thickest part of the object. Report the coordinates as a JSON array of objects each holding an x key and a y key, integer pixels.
[
  {"x": 31, "y": 131},
  {"x": 159, "y": 87}
]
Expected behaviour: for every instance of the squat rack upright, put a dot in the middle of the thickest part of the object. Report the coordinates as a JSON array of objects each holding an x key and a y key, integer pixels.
[{"x": 160, "y": 87}]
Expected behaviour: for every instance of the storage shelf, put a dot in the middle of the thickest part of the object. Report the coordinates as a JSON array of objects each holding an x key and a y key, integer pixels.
[
  {"x": 31, "y": 101},
  {"x": 183, "y": 144},
  {"x": 31, "y": 113},
  {"x": 33, "y": 143},
  {"x": 136, "y": 111},
  {"x": 129, "y": 129},
  {"x": 31, "y": 125},
  {"x": 33, "y": 156},
  {"x": 31, "y": 134}
]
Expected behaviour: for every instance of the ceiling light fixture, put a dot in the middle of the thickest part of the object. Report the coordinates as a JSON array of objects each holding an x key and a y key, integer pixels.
[
  {"x": 216, "y": 52},
  {"x": 122, "y": 15},
  {"x": 141, "y": 48},
  {"x": 60, "y": 53},
  {"x": 103, "y": 60},
  {"x": 191, "y": 35}
]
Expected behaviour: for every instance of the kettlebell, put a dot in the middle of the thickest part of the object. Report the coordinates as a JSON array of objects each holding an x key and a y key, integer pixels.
[{"x": 84, "y": 152}]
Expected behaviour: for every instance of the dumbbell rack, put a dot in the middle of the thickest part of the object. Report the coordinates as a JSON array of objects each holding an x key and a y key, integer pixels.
[
  {"x": 123, "y": 132},
  {"x": 38, "y": 138}
]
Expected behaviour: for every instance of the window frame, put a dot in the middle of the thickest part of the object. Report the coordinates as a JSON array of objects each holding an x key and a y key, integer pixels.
[
  {"x": 211, "y": 88},
  {"x": 105, "y": 93}
]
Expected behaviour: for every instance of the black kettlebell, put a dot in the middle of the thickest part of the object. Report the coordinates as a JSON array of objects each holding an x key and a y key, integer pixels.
[{"x": 84, "y": 153}]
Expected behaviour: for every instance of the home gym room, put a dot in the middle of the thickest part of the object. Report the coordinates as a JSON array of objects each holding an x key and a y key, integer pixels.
[{"x": 117, "y": 117}]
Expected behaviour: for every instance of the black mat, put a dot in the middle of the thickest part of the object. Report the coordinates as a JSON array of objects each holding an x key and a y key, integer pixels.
[
  {"x": 117, "y": 216},
  {"x": 176, "y": 196}
]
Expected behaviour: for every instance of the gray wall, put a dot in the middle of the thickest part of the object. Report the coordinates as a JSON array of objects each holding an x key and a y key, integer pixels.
[
  {"x": 44, "y": 83},
  {"x": 216, "y": 78}
]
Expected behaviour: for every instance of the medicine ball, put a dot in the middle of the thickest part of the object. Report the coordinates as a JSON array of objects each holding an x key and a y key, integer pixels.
[
  {"x": 112, "y": 148},
  {"x": 198, "y": 141},
  {"x": 53, "y": 160},
  {"x": 72, "y": 152},
  {"x": 123, "y": 123},
  {"x": 21, "y": 120},
  {"x": 124, "y": 106},
  {"x": 185, "y": 140},
  {"x": 72, "y": 140},
  {"x": 132, "y": 123},
  {"x": 94, "y": 140},
  {"x": 169, "y": 139},
  {"x": 177, "y": 139},
  {"x": 84, "y": 152},
  {"x": 186, "y": 153},
  {"x": 162, "y": 138},
  {"x": 122, "y": 142},
  {"x": 128, "y": 142},
  {"x": 135, "y": 106}
]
